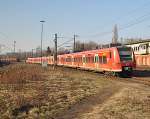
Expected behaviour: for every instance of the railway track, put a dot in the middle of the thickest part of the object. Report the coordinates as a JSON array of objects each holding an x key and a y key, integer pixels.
[
  {"x": 140, "y": 80},
  {"x": 133, "y": 79},
  {"x": 109, "y": 76}
]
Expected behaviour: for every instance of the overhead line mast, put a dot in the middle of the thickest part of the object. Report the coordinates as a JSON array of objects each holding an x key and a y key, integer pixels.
[
  {"x": 55, "y": 52},
  {"x": 14, "y": 46},
  {"x": 74, "y": 43}
]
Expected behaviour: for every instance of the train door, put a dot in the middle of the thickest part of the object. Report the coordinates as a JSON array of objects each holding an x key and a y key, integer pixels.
[
  {"x": 100, "y": 61},
  {"x": 96, "y": 60},
  {"x": 106, "y": 58},
  {"x": 84, "y": 60},
  {"x": 72, "y": 61},
  {"x": 88, "y": 60}
]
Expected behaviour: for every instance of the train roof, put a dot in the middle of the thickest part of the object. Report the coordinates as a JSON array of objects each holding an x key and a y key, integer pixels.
[{"x": 91, "y": 51}]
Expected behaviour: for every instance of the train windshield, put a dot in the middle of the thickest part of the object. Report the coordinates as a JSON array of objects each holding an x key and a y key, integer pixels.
[{"x": 125, "y": 53}]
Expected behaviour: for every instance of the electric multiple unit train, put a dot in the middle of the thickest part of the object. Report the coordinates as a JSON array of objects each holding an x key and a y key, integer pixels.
[{"x": 116, "y": 60}]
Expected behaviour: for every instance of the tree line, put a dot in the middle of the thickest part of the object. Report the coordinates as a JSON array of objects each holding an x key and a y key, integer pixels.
[{"x": 79, "y": 46}]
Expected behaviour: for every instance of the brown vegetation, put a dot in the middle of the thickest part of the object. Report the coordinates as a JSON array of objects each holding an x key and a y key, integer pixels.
[{"x": 29, "y": 91}]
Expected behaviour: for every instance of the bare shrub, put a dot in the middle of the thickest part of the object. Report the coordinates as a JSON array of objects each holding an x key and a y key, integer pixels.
[{"x": 20, "y": 74}]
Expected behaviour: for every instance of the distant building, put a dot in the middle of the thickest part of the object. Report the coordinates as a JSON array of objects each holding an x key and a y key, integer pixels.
[{"x": 141, "y": 47}]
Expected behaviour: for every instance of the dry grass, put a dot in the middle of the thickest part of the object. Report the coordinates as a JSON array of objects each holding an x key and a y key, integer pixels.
[
  {"x": 128, "y": 103},
  {"x": 29, "y": 91}
]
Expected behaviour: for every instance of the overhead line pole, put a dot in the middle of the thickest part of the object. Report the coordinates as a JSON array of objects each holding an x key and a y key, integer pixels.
[
  {"x": 32, "y": 53},
  {"x": 14, "y": 46},
  {"x": 41, "y": 39},
  {"x": 55, "y": 52},
  {"x": 74, "y": 43}
]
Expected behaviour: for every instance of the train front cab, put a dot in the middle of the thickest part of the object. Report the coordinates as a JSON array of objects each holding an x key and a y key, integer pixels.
[{"x": 127, "y": 60}]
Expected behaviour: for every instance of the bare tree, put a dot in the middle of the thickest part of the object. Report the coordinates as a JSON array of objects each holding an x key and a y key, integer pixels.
[{"x": 48, "y": 51}]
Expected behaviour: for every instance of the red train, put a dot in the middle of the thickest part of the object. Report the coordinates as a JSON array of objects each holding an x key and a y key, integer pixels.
[
  {"x": 7, "y": 60},
  {"x": 115, "y": 60}
]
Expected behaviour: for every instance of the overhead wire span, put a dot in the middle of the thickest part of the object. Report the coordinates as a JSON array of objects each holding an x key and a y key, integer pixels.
[
  {"x": 128, "y": 25},
  {"x": 108, "y": 32},
  {"x": 136, "y": 21},
  {"x": 64, "y": 43}
]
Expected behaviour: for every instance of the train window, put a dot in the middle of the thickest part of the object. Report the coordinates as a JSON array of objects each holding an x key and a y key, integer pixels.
[
  {"x": 92, "y": 59},
  {"x": 104, "y": 60},
  {"x": 100, "y": 59},
  {"x": 125, "y": 53},
  {"x": 96, "y": 59},
  {"x": 69, "y": 59},
  {"x": 84, "y": 60},
  {"x": 87, "y": 59},
  {"x": 80, "y": 59}
]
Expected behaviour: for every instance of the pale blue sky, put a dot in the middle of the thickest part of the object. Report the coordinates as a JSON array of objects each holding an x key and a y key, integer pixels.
[{"x": 87, "y": 18}]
